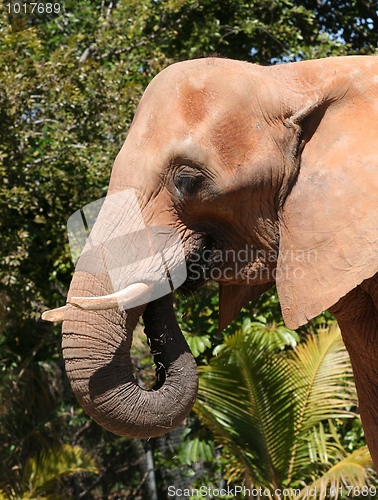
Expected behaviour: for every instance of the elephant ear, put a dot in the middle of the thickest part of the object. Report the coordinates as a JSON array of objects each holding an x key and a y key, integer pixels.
[
  {"x": 329, "y": 221},
  {"x": 233, "y": 297}
]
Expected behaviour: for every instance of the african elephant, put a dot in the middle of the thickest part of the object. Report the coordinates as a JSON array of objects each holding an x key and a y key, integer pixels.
[{"x": 280, "y": 160}]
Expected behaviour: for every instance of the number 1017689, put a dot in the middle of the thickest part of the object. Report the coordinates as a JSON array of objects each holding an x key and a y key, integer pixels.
[{"x": 22, "y": 8}]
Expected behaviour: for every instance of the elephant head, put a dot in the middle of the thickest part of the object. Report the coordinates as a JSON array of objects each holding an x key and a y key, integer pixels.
[{"x": 266, "y": 174}]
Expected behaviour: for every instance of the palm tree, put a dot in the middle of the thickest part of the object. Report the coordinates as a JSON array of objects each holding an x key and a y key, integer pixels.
[
  {"x": 274, "y": 408},
  {"x": 42, "y": 472}
]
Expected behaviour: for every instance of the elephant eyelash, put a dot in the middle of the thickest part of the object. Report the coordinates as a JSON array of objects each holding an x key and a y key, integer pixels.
[{"x": 187, "y": 183}]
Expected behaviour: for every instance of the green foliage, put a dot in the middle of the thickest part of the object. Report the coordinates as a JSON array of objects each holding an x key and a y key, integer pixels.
[
  {"x": 198, "y": 343},
  {"x": 355, "y": 469},
  {"x": 352, "y": 27},
  {"x": 43, "y": 472},
  {"x": 195, "y": 450},
  {"x": 274, "y": 409},
  {"x": 198, "y": 319}
]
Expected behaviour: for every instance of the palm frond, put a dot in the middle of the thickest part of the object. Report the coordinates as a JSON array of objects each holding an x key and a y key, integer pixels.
[
  {"x": 270, "y": 333},
  {"x": 323, "y": 446},
  {"x": 350, "y": 474},
  {"x": 326, "y": 377},
  {"x": 242, "y": 397},
  {"x": 268, "y": 407},
  {"x": 323, "y": 389},
  {"x": 42, "y": 471}
]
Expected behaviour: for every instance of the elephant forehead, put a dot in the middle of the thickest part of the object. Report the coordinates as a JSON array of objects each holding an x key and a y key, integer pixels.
[
  {"x": 220, "y": 117},
  {"x": 199, "y": 89},
  {"x": 230, "y": 142},
  {"x": 197, "y": 110},
  {"x": 195, "y": 104}
]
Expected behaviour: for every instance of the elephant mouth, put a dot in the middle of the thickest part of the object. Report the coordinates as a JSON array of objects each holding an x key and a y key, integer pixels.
[{"x": 200, "y": 261}]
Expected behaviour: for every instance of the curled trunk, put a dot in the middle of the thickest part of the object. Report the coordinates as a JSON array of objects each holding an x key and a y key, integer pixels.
[{"x": 96, "y": 348}]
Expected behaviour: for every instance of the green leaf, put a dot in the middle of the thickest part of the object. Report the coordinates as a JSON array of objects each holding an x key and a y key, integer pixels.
[
  {"x": 194, "y": 450},
  {"x": 198, "y": 343}
]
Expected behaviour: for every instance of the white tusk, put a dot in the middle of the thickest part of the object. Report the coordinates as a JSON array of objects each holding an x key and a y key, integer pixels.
[
  {"x": 123, "y": 298},
  {"x": 54, "y": 314}
]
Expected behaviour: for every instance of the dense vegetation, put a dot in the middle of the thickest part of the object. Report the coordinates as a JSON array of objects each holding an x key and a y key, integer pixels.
[{"x": 68, "y": 88}]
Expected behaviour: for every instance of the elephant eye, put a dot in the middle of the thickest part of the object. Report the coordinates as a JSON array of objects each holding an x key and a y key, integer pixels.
[{"x": 187, "y": 183}]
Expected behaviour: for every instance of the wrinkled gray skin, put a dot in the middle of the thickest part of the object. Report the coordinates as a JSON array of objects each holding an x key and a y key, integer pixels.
[{"x": 281, "y": 160}]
